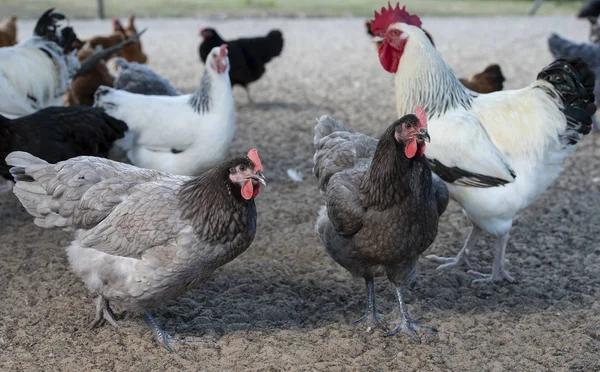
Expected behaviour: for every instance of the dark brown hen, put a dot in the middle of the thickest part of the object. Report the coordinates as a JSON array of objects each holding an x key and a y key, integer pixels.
[{"x": 383, "y": 204}]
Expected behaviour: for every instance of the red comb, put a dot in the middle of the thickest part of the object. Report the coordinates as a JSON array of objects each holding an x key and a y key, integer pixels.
[
  {"x": 223, "y": 54},
  {"x": 253, "y": 156},
  {"x": 422, "y": 116},
  {"x": 389, "y": 16}
]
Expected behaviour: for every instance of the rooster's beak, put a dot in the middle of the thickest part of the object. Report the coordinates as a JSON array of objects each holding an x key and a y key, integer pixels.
[
  {"x": 424, "y": 135},
  {"x": 260, "y": 177}
]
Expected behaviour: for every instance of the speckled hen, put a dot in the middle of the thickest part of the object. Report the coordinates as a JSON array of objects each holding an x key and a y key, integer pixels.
[
  {"x": 142, "y": 237},
  {"x": 383, "y": 204}
]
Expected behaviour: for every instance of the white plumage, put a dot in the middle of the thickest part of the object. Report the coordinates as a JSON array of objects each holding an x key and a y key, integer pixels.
[
  {"x": 497, "y": 152},
  {"x": 34, "y": 74},
  {"x": 186, "y": 134}
]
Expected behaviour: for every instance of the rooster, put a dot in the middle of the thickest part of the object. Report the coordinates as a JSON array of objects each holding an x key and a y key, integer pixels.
[
  {"x": 496, "y": 152},
  {"x": 142, "y": 237},
  {"x": 185, "y": 134},
  {"x": 36, "y": 72},
  {"x": 248, "y": 55},
  {"x": 383, "y": 204}
]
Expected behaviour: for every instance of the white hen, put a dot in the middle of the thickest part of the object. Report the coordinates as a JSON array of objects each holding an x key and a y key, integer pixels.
[
  {"x": 184, "y": 135},
  {"x": 496, "y": 152}
]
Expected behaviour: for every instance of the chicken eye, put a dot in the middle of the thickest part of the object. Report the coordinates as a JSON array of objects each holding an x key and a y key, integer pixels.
[
  {"x": 408, "y": 126},
  {"x": 242, "y": 167},
  {"x": 395, "y": 32}
]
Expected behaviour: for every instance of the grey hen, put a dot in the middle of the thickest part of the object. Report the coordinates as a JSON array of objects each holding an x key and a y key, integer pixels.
[
  {"x": 383, "y": 204},
  {"x": 137, "y": 78},
  {"x": 589, "y": 52},
  {"x": 142, "y": 237}
]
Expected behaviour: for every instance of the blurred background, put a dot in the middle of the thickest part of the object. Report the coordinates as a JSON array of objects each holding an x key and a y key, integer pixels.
[{"x": 295, "y": 8}]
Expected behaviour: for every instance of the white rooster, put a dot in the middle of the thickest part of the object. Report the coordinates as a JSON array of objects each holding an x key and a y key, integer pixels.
[
  {"x": 185, "y": 134},
  {"x": 496, "y": 152},
  {"x": 37, "y": 72}
]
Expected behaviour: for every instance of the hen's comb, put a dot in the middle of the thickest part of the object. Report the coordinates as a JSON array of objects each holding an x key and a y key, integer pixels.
[
  {"x": 388, "y": 16},
  {"x": 223, "y": 54},
  {"x": 422, "y": 116},
  {"x": 253, "y": 156}
]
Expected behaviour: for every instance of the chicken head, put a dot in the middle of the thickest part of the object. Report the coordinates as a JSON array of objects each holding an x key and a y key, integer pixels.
[
  {"x": 411, "y": 130},
  {"x": 247, "y": 173}
]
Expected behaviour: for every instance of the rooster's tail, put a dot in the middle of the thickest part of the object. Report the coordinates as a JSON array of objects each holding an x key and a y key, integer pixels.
[{"x": 574, "y": 81}]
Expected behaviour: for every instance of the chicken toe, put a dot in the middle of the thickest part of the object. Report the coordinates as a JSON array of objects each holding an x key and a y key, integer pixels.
[
  {"x": 162, "y": 337},
  {"x": 371, "y": 317},
  {"x": 499, "y": 273},
  {"x": 462, "y": 258},
  {"x": 104, "y": 313},
  {"x": 405, "y": 323}
]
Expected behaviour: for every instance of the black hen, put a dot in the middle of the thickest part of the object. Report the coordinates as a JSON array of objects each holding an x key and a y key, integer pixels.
[
  {"x": 59, "y": 133},
  {"x": 383, "y": 204},
  {"x": 590, "y": 9},
  {"x": 247, "y": 56}
]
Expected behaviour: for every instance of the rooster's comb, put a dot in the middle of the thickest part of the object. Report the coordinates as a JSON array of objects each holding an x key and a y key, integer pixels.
[
  {"x": 388, "y": 16},
  {"x": 422, "y": 116},
  {"x": 253, "y": 156}
]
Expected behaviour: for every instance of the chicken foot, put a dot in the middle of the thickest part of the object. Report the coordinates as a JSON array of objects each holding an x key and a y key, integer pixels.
[
  {"x": 161, "y": 336},
  {"x": 498, "y": 271},
  {"x": 405, "y": 323},
  {"x": 104, "y": 313},
  {"x": 462, "y": 258},
  {"x": 371, "y": 317}
]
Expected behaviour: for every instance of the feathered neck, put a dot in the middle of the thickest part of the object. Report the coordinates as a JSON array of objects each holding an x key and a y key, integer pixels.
[
  {"x": 211, "y": 201},
  {"x": 201, "y": 100},
  {"x": 424, "y": 79},
  {"x": 392, "y": 176}
]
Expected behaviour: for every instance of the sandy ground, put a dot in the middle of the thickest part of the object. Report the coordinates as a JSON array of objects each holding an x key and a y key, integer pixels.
[{"x": 284, "y": 304}]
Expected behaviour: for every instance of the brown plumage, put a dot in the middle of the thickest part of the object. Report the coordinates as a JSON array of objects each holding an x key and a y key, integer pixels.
[
  {"x": 8, "y": 31},
  {"x": 488, "y": 81},
  {"x": 132, "y": 52},
  {"x": 142, "y": 237},
  {"x": 383, "y": 204}
]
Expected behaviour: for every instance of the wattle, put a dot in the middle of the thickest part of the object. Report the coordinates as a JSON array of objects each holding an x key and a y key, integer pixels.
[
  {"x": 411, "y": 149},
  {"x": 248, "y": 190},
  {"x": 389, "y": 57}
]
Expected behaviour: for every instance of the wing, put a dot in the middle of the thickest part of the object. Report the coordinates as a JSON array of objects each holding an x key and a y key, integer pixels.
[
  {"x": 78, "y": 193},
  {"x": 466, "y": 155},
  {"x": 148, "y": 217},
  {"x": 345, "y": 207},
  {"x": 442, "y": 197},
  {"x": 338, "y": 149}
]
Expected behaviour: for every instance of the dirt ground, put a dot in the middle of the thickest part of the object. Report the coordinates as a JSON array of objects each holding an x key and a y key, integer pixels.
[{"x": 284, "y": 304}]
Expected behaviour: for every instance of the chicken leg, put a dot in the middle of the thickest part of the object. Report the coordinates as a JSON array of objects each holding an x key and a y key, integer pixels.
[
  {"x": 104, "y": 313},
  {"x": 250, "y": 100},
  {"x": 405, "y": 322},
  {"x": 462, "y": 259},
  {"x": 498, "y": 272},
  {"x": 371, "y": 316},
  {"x": 161, "y": 336}
]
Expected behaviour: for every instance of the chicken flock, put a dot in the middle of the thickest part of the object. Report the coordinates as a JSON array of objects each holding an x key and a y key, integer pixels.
[{"x": 148, "y": 231}]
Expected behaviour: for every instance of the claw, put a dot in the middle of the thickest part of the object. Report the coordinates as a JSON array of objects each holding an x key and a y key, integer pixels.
[
  {"x": 462, "y": 260},
  {"x": 410, "y": 328},
  {"x": 489, "y": 278},
  {"x": 372, "y": 322},
  {"x": 163, "y": 337},
  {"x": 104, "y": 314}
]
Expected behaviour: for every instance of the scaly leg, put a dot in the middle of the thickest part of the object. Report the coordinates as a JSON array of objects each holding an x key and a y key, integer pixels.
[
  {"x": 250, "y": 100},
  {"x": 161, "y": 336},
  {"x": 372, "y": 316},
  {"x": 462, "y": 259},
  {"x": 498, "y": 272},
  {"x": 405, "y": 322},
  {"x": 103, "y": 313}
]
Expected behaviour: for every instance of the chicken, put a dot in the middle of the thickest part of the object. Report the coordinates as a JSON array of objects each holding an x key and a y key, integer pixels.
[
  {"x": 132, "y": 52},
  {"x": 496, "y": 152},
  {"x": 383, "y": 205},
  {"x": 59, "y": 133},
  {"x": 36, "y": 72},
  {"x": 589, "y": 52},
  {"x": 137, "y": 78},
  {"x": 8, "y": 31},
  {"x": 594, "y": 30},
  {"x": 142, "y": 237},
  {"x": 93, "y": 73},
  {"x": 184, "y": 135},
  {"x": 590, "y": 9},
  {"x": 248, "y": 55},
  {"x": 488, "y": 81}
]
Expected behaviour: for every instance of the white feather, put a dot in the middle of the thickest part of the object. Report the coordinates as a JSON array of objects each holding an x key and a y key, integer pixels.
[{"x": 295, "y": 175}]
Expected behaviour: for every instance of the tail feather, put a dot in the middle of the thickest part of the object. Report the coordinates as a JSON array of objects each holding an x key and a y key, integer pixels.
[
  {"x": 325, "y": 126},
  {"x": 574, "y": 81}
]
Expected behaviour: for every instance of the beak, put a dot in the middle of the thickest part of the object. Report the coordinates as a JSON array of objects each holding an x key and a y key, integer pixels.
[
  {"x": 424, "y": 135},
  {"x": 260, "y": 177}
]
